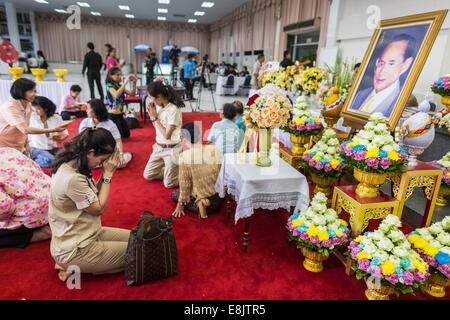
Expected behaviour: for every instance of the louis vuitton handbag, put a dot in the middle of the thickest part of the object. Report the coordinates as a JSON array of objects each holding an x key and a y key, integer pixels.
[{"x": 152, "y": 252}]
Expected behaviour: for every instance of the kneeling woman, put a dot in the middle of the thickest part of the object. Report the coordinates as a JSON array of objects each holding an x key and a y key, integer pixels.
[{"x": 77, "y": 204}]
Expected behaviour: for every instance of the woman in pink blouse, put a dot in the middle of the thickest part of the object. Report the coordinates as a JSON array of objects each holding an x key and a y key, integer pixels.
[
  {"x": 71, "y": 104},
  {"x": 112, "y": 60},
  {"x": 23, "y": 200}
]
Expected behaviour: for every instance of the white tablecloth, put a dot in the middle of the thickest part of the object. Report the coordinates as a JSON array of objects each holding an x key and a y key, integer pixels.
[
  {"x": 50, "y": 89},
  {"x": 253, "y": 187},
  {"x": 221, "y": 80}
]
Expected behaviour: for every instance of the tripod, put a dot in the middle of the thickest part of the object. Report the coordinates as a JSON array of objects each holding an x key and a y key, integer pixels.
[{"x": 199, "y": 94}]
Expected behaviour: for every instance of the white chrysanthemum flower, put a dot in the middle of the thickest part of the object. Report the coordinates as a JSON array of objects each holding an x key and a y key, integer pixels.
[
  {"x": 385, "y": 244},
  {"x": 400, "y": 252},
  {"x": 319, "y": 220},
  {"x": 444, "y": 238},
  {"x": 435, "y": 229}
]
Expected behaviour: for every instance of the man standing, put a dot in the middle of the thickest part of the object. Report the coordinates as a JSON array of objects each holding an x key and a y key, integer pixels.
[
  {"x": 150, "y": 63},
  {"x": 189, "y": 75},
  {"x": 256, "y": 67},
  {"x": 287, "y": 60},
  {"x": 395, "y": 59},
  {"x": 93, "y": 63}
]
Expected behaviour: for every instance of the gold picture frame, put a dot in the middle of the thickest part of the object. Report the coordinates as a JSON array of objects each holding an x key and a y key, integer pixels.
[{"x": 393, "y": 109}]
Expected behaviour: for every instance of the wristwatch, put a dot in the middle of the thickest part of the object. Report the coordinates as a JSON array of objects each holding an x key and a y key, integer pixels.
[{"x": 106, "y": 180}]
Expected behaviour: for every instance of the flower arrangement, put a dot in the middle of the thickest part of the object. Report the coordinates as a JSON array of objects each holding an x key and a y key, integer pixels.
[
  {"x": 267, "y": 111},
  {"x": 442, "y": 86},
  {"x": 442, "y": 118},
  {"x": 324, "y": 158},
  {"x": 433, "y": 245},
  {"x": 386, "y": 254},
  {"x": 302, "y": 122},
  {"x": 282, "y": 77},
  {"x": 308, "y": 81},
  {"x": 444, "y": 165},
  {"x": 373, "y": 149},
  {"x": 317, "y": 228}
]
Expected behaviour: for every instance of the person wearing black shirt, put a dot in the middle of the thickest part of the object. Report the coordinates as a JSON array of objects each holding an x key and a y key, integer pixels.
[
  {"x": 150, "y": 63},
  {"x": 287, "y": 60},
  {"x": 93, "y": 63}
]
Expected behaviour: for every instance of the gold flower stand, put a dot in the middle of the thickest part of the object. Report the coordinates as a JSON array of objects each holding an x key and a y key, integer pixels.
[
  {"x": 362, "y": 210},
  {"x": 294, "y": 161},
  {"x": 38, "y": 73},
  {"x": 424, "y": 176}
]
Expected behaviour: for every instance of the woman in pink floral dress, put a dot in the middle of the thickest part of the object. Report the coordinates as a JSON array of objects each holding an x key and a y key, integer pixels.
[{"x": 24, "y": 191}]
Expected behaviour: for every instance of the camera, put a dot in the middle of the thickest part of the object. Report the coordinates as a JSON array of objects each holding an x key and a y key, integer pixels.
[{"x": 173, "y": 55}]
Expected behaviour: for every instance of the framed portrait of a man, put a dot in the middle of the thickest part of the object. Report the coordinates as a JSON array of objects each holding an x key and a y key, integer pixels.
[{"x": 391, "y": 66}]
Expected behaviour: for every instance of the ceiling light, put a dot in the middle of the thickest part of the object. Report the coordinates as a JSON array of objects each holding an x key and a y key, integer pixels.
[
  {"x": 41, "y": 1},
  {"x": 192, "y": 20},
  {"x": 126, "y": 8},
  {"x": 94, "y": 13},
  {"x": 162, "y": 18},
  {"x": 207, "y": 4},
  {"x": 162, "y": 10},
  {"x": 131, "y": 16},
  {"x": 83, "y": 4},
  {"x": 164, "y": 1},
  {"x": 60, "y": 11},
  {"x": 199, "y": 13}
]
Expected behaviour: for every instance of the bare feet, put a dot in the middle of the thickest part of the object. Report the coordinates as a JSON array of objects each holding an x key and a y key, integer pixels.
[{"x": 42, "y": 234}]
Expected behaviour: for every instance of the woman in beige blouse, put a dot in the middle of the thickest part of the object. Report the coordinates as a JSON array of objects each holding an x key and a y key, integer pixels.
[{"x": 77, "y": 204}]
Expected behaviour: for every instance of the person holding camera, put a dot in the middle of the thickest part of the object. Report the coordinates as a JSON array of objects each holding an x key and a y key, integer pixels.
[
  {"x": 115, "y": 95},
  {"x": 150, "y": 63},
  {"x": 189, "y": 76}
]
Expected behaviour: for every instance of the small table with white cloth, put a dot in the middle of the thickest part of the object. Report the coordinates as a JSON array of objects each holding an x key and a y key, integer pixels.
[
  {"x": 53, "y": 90},
  {"x": 222, "y": 80},
  {"x": 253, "y": 187}
]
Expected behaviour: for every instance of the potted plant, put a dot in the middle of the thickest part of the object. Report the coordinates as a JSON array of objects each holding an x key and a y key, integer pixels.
[
  {"x": 385, "y": 260},
  {"x": 324, "y": 162},
  {"x": 302, "y": 125},
  {"x": 442, "y": 88},
  {"x": 433, "y": 245},
  {"x": 317, "y": 231},
  {"x": 373, "y": 153}
]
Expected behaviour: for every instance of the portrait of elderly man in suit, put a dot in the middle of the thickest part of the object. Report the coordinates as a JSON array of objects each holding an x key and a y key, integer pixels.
[{"x": 394, "y": 60}]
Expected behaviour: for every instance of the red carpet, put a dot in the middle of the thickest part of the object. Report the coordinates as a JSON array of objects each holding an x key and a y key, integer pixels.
[{"x": 212, "y": 263}]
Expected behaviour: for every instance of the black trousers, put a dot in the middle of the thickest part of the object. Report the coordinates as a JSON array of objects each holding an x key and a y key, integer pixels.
[
  {"x": 215, "y": 203},
  {"x": 121, "y": 124},
  {"x": 189, "y": 84},
  {"x": 18, "y": 238},
  {"x": 150, "y": 77},
  {"x": 97, "y": 78},
  {"x": 65, "y": 115}
]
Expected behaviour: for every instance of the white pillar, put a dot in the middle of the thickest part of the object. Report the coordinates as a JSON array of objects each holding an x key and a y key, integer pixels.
[
  {"x": 34, "y": 32},
  {"x": 333, "y": 22},
  {"x": 277, "y": 40},
  {"x": 13, "y": 29}
]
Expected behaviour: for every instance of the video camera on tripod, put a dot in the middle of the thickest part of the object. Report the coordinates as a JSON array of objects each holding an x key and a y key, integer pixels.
[{"x": 174, "y": 55}]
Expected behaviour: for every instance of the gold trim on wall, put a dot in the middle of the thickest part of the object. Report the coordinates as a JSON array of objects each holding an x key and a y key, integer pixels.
[{"x": 357, "y": 118}]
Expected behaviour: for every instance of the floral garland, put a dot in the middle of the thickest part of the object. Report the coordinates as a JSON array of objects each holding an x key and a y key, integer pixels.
[
  {"x": 324, "y": 158},
  {"x": 387, "y": 255},
  {"x": 433, "y": 245},
  {"x": 318, "y": 228},
  {"x": 302, "y": 122},
  {"x": 444, "y": 165},
  {"x": 374, "y": 149},
  {"x": 442, "y": 86},
  {"x": 442, "y": 118}
]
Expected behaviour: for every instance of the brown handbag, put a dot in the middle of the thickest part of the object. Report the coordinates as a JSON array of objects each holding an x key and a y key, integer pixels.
[{"x": 152, "y": 251}]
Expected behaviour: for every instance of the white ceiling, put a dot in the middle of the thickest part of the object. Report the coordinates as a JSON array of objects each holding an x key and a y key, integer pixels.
[{"x": 141, "y": 9}]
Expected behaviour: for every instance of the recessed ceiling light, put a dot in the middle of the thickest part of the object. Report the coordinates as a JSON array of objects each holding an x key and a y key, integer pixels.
[
  {"x": 192, "y": 20},
  {"x": 162, "y": 10},
  {"x": 164, "y": 1},
  {"x": 41, "y": 1},
  {"x": 131, "y": 16},
  {"x": 94, "y": 13},
  {"x": 207, "y": 4},
  {"x": 199, "y": 13},
  {"x": 83, "y": 4},
  {"x": 60, "y": 11},
  {"x": 126, "y": 8},
  {"x": 162, "y": 18}
]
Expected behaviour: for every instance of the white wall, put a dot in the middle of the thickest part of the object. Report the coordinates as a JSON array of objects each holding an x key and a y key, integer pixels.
[{"x": 353, "y": 35}]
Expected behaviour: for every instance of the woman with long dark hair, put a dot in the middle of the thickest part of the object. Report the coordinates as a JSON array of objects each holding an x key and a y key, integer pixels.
[
  {"x": 41, "y": 60},
  {"x": 115, "y": 95},
  {"x": 165, "y": 114},
  {"x": 77, "y": 203}
]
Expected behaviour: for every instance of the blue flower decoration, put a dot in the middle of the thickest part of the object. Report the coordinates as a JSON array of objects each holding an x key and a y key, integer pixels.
[
  {"x": 403, "y": 150},
  {"x": 399, "y": 271},
  {"x": 295, "y": 216},
  {"x": 310, "y": 120},
  {"x": 313, "y": 153},
  {"x": 345, "y": 143},
  {"x": 324, "y": 161},
  {"x": 375, "y": 262},
  {"x": 442, "y": 257},
  {"x": 359, "y": 147},
  {"x": 302, "y": 228},
  {"x": 414, "y": 232},
  {"x": 405, "y": 263},
  {"x": 383, "y": 154},
  {"x": 331, "y": 233}
]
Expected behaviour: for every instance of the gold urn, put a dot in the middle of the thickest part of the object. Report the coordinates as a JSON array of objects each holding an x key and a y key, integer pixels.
[
  {"x": 443, "y": 193},
  {"x": 38, "y": 73},
  {"x": 313, "y": 260},
  {"x": 369, "y": 183},
  {"x": 446, "y": 101},
  {"x": 435, "y": 286},
  {"x": 377, "y": 291},
  {"x": 332, "y": 116},
  {"x": 60, "y": 74},
  {"x": 323, "y": 184},
  {"x": 16, "y": 72},
  {"x": 299, "y": 142}
]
